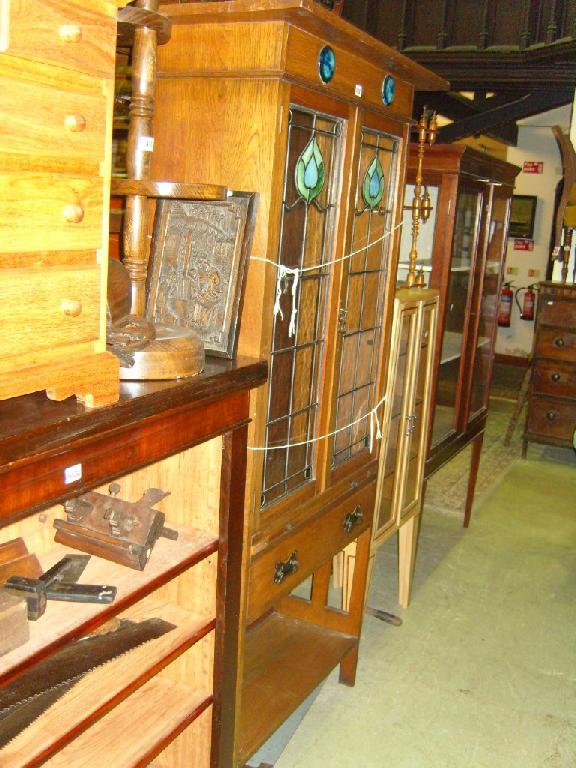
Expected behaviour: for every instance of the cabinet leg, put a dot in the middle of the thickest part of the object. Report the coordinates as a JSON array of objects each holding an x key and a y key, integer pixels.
[
  {"x": 524, "y": 448},
  {"x": 474, "y": 464},
  {"x": 348, "y": 667},
  {"x": 407, "y": 543}
]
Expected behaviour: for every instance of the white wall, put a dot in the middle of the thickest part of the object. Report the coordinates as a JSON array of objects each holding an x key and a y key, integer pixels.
[{"x": 535, "y": 143}]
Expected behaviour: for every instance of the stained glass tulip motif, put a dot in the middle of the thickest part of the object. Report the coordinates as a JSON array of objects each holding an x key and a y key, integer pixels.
[
  {"x": 310, "y": 172},
  {"x": 373, "y": 185}
]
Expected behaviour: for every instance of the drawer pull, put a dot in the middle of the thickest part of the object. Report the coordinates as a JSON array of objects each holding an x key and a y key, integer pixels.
[
  {"x": 75, "y": 123},
  {"x": 555, "y": 377},
  {"x": 71, "y": 307},
  {"x": 73, "y": 213},
  {"x": 70, "y": 33},
  {"x": 352, "y": 518},
  {"x": 287, "y": 568},
  {"x": 552, "y": 415},
  {"x": 559, "y": 342}
]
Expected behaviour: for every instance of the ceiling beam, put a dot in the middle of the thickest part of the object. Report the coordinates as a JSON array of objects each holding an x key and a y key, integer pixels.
[
  {"x": 525, "y": 106},
  {"x": 456, "y": 108}
]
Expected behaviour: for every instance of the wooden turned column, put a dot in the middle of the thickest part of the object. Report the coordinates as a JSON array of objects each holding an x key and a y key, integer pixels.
[{"x": 138, "y": 158}]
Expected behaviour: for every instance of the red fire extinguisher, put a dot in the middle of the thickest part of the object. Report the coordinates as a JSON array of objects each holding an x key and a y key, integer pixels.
[
  {"x": 505, "y": 305},
  {"x": 528, "y": 302}
]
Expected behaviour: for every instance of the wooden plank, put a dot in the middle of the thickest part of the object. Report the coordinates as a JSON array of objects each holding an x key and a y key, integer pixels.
[
  {"x": 103, "y": 688},
  {"x": 285, "y": 659},
  {"x": 114, "y": 740}
]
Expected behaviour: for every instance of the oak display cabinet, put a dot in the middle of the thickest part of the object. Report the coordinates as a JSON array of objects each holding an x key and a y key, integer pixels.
[
  {"x": 462, "y": 249},
  {"x": 287, "y": 100}
]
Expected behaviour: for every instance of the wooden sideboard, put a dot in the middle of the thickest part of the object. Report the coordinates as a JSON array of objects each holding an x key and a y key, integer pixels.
[
  {"x": 172, "y": 699},
  {"x": 551, "y": 414},
  {"x": 56, "y": 97},
  {"x": 287, "y": 100}
]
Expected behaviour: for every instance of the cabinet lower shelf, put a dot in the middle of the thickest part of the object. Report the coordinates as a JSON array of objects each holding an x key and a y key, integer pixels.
[
  {"x": 107, "y": 685},
  {"x": 136, "y": 730},
  {"x": 289, "y": 658},
  {"x": 63, "y": 622}
]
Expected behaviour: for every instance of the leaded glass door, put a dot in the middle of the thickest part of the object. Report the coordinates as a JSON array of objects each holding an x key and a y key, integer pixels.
[
  {"x": 309, "y": 206},
  {"x": 361, "y": 312}
]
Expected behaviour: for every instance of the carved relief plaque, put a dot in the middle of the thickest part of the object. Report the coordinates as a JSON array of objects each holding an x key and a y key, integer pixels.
[{"x": 198, "y": 265}]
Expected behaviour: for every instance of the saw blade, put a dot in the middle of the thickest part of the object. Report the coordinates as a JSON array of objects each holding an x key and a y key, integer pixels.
[{"x": 29, "y": 695}]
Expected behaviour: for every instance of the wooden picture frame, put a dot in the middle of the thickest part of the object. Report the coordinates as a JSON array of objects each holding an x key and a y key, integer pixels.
[
  {"x": 198, "y": 264},
  {"x": 522, "y": 216}
]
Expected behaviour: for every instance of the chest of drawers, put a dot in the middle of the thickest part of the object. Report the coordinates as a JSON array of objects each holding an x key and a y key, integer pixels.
[
  {"x": 56, "y": 94},
  {"x": 551, "y": 415}
]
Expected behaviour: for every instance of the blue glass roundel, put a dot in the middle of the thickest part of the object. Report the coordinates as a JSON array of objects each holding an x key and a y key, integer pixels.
[
  {"x": 326, "y": 64},
  {"x": 388, "y": 89}
]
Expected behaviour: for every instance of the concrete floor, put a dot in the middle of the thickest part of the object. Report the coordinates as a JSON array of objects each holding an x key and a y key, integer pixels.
[{"x": 482, "y": 673}]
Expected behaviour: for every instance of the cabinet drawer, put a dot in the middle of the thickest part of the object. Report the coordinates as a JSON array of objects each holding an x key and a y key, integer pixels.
[
  {"x": 556, "y": 379},
  {"x": 552, "y": 418},
  {"x": 49, "y": 211},
  {"x": 74, "y": 35},
  {"x": 554, "y": 312},
  {"x": 48, "y": 309},
  {"x": 68, "y": 129},
  {"x": 558, "y": 344},
  {"x": 303, "y": 550}
]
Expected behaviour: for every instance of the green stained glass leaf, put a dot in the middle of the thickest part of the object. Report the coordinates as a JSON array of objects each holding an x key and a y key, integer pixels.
[
  {"x": 309, "y": 174},
  {"x": 373, "y": 185}
]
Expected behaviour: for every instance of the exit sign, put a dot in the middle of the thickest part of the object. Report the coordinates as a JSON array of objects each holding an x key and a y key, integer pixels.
[{"x": 533, "y": 166}]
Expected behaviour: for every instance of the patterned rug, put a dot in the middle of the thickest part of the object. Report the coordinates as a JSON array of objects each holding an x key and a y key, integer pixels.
[{"x": 446, "y": 489}]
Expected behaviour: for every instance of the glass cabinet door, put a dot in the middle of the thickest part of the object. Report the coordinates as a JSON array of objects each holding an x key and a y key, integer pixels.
[
  {"x": 362, "y": 298},
  {"x": 414, "y": 421},
  {"x": 488, "y": 310},
  {"x": 312, "y": 168},
  {"x": 398, "y": 422},
  {"x": 451, "y": 369}
]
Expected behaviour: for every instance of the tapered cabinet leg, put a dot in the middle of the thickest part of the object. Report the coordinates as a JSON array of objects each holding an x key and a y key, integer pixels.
[
  {"x": 348, "y": 667},
  {"x": 474, "y": 464},
  {"x": 407, "y": 543}
]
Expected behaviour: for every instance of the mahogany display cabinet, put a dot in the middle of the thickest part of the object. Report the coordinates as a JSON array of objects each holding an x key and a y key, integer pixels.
[
  {"x": 285, "y": 99},
  {"x": 461, "y": 251},
  {"x": 188, "y": 439}
]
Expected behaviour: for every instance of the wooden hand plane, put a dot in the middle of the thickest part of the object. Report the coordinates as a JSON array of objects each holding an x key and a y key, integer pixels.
[{"x": 122, "y": 531}]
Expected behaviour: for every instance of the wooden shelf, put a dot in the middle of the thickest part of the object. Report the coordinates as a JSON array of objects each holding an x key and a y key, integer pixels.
[
  {"x": 63, "y": 622},
  {"x": 451, "y": 346},
  {"x": 285, "y": 659},
  {"x": 103, "y": 688},
  {"x": 160, "y": 710}
]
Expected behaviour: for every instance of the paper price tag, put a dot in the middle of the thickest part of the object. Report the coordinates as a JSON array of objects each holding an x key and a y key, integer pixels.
[
  {"x": 73, "y": 474},
  {"x": 146, "y": 144}
]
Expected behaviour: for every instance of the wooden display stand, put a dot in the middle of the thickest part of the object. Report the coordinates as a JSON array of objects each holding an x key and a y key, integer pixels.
[
  {"x": 56, "y": 95},
  {"x": 287, "y": 100},
  {"x": 467, "y": 233},
  {"x": 173, "y": 698}
]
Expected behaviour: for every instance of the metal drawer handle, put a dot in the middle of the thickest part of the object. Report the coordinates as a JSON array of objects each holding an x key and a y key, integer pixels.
[
  {"x": 287, "y": 568},
  {"x": 556, "y": 377},
  {"x": 552, "y": 415},
  {"x": 70, "y": 33},
  {"x": 71, "y": 307},
  {"x": 352, "y": 518},
  {"x": 559, "y": 342}
]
